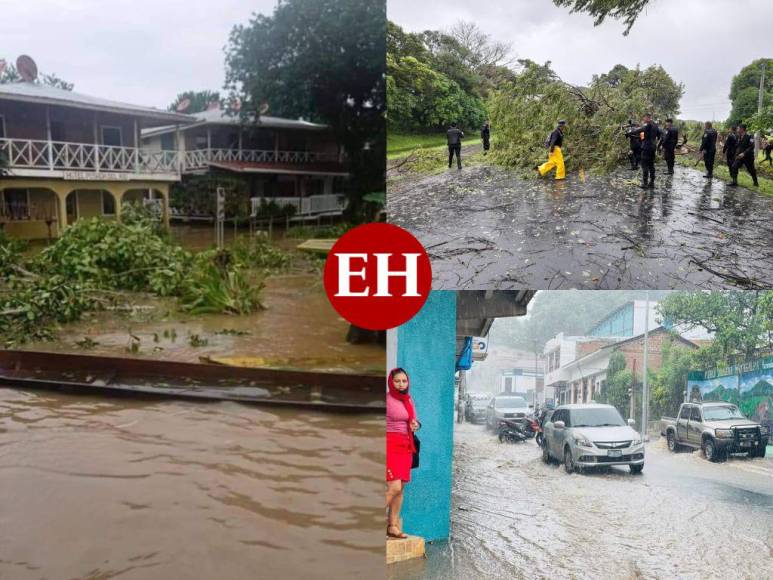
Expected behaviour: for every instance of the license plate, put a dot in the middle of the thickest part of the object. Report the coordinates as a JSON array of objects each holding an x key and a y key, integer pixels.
[
  {"x": 746, "y": 443},
  {"x": 614, "y": 453}
]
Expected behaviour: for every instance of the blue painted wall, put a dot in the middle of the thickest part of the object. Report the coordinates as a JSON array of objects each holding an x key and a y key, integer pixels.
[{"x": 426, "y": 349}]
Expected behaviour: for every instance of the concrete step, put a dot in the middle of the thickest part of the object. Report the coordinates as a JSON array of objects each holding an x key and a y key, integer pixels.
[{"x": 398, "y": 550}]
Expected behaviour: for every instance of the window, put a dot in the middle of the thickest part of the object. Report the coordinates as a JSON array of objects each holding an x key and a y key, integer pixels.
[
  {"x": 112, "y": 136},
  {"x": 2, "y": 127},
  {"x": 685, "y": 414},
  {"x": 57, "y": 131},
  {"x": 200, "y": 142},
  {"x": 168, "y": 142},
  {"x": 108, "y": 203},
  {"x": 16, "y": 204},
  {"x": 695, "y": 415}
]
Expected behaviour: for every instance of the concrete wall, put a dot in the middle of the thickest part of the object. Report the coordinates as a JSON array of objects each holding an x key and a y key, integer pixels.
[{"x": 425, "y": 348}]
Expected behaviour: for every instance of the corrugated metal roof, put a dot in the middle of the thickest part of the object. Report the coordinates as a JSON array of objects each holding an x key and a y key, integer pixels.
[
  {"x": 44, "y": 94},
  {"x": 222, "y": 117}
]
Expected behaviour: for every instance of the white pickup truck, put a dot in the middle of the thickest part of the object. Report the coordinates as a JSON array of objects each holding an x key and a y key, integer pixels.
[{"x": 716, "y": 427}]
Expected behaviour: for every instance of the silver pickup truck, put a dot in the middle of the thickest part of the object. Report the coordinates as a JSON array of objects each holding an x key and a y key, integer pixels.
[{"x": 718, "y": 428}]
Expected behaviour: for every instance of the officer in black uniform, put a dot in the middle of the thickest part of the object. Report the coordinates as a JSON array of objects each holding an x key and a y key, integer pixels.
[
  {"x": 709, "y": 148},
  {"x": 455, "y": 136},
  {"x": 669, "y": 142},
  {"x": 745, "y": 155},
  {"x": 485, "y": 135},
  {"x": 649, "y": 134},
  {"x": 730, "y": 149},
  {"x": 634, "y": 156}
]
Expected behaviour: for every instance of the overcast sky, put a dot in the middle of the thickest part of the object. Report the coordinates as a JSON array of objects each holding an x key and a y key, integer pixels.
[
  {"x": 701, "y": 43},
  {"x": 137, "y": 51}
]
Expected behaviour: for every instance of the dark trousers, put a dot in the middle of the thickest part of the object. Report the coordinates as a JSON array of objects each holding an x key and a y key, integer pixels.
[
  {"x": 635, "y": 158},
  {"x": 732, "y": 168},
  {"x": 455, "y": 150},
  {"x": 748, "y": 162},
  {"x": 486, "y": 144},
  {"x": 647, "y": 166},
  {"x": 669, "y": 156},
  {"x": 768, "y": 158},
  {"x": 708, "y": 161}
]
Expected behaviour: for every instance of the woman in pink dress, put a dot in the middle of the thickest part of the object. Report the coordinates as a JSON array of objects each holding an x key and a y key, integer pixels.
[{"x": 400, "y": 424}]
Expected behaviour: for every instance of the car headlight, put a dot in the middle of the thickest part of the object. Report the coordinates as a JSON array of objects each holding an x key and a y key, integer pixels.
[
  {"x": 764, "y": 430},
  {"x": 582, "y": 441},
  {"x": 724, "y": 433},
  {"x": 636, "y": 441}
]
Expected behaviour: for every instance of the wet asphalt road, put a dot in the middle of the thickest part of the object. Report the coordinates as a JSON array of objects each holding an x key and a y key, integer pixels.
[
  {"x": 515, "y": 517},
  {"x": 485, "y": 227}
]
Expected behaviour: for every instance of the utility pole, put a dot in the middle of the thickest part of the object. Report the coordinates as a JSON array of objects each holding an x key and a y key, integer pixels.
[
  {"x": 644, "y": 393},
  {"x": 760, "y": 94}
]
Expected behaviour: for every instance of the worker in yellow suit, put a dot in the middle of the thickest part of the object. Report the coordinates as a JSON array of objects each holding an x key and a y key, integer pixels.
[{"x": 555, "y": 157}]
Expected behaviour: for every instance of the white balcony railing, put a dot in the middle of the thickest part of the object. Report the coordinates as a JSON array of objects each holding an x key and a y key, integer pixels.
[
  {"x": 304, "y": 206},
  {"x": 62, "y": 156},
  {"x": 201, "y": 158}
]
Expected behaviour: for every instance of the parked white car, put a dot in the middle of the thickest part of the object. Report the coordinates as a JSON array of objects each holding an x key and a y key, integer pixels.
[
  {"x": 506, "y": 407},
  {"x": 592, "y": 435}
]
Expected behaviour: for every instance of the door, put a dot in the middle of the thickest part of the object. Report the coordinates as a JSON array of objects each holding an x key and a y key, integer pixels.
[
  {"x": 681, "y": 423},
  {"x": 111, "y": 136},
  {"x": 695, "y": 427},
  {"x": 558, "y": 435}
]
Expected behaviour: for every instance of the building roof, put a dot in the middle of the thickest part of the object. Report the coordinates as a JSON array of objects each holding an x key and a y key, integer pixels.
[
  {"x": 47, "y": 95},
  {"x": 223, "y": 117}
]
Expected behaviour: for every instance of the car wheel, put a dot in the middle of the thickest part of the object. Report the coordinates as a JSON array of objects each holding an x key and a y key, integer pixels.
[
  {"x": 710, "y": 451},
  {"x": 568, "y": 461},
  {"x": 673, "y": 446},
  {"x": 538, "y": 439},
  {"x": 636, "y": 469},
  {"x": 545, "y": 454}
]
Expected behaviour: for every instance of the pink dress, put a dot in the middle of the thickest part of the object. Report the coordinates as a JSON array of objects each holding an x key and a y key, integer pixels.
[{"x": 399, "y": 440}]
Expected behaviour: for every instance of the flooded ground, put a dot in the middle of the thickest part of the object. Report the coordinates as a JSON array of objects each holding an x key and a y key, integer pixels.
[
  {"x": 485, "y": 227},
  {"x": 298, "y": 328},
  {"x": 103, "y": 488},
  {"x": 515, "y": 517}
]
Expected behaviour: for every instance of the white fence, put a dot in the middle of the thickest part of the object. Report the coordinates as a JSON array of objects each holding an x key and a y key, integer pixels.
[
  {"x": 304, "y": 206},
  {"x": 201, "y": 158}
]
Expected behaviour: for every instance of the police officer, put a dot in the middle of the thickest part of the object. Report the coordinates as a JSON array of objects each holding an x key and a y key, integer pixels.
[
  {"x": 648, "y": 134},
  {"x": 669, "y": 142},
  {"x": 709, "y": 148},
  {"x": 745, "y": 155},
  {"x": 455, "y": 136},
  {"x": 729, "y": 149},
  {"x": 634, "y": 155},
  {"x": 485, "y": 135}
]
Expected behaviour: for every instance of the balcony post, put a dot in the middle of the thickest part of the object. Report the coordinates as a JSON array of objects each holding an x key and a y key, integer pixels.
[
  {"x": 240, "y": 143},
  {"x": 180, "y": 148},
  {"x": 136, "y": 146},
  {"x": 48, "y": 138},
  {"x": 96, "y": 144}
]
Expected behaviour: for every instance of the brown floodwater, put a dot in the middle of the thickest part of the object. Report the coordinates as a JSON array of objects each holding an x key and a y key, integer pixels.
[
  {"x": 299, "y": 328},
  {"x": 104, "y": 488}
]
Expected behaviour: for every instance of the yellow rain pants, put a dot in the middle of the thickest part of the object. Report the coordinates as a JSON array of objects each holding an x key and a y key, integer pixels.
[{"x": 556, "y": 160}]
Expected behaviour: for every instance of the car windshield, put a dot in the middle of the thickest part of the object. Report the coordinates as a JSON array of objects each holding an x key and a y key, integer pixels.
[
  {"x": 510, "y": 402},
  {"x": 721, "y": 412},
  {"x": 596, "y": 417},
  {"x": 479, "y": 403}
]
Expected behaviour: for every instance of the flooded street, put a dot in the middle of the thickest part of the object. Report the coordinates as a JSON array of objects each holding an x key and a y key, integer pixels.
[
  {"x": 515, "y": 517},
  {"x": 298, "y": 328},
  {"x": 488, "y": 228},
  {"x": 103, "y": 488}
]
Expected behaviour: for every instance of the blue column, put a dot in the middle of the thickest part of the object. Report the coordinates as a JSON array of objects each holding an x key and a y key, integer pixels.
[{"x": 426, "y": 348}]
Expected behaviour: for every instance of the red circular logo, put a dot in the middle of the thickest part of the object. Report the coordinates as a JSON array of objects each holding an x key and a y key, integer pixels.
[{"x": 378, "y": 276}]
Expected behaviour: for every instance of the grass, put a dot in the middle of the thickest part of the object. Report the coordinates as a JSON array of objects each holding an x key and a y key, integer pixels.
[
  {"x": 721, "y": 171},
  {"x": 402, "y": 144}
]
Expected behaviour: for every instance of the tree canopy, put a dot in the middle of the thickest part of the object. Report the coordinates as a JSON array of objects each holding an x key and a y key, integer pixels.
[
  {"x": 322, "y": 60},
  {"x": 199, "y": 101},
  {"x": 11, "y": 75},
  {"x": 626, "y": 10},
  {"x": 744, "y": 91},
  {"x": 526, "y": 110}
]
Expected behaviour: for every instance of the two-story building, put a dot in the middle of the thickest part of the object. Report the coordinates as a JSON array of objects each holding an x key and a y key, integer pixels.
[
  {"x": 288, "y": 161},
  {"x": 68, "y": 155}
]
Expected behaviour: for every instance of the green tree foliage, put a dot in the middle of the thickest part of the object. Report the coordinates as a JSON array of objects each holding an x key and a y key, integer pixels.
[
  {"x": 669, "y": 382},
  {"x": 527, "y": 109},
  {"x": 199, "y": 101},
  {"x": 626, "y": 10},
  {"x": 619, "y": 381},
  {"x": 740, "y": 321},
  {"x": 11, "y": 75},
  {"x": 195, "y": 195},
  {"x": 322, "y": 60},
  {"x": 745, "y": 87}
]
